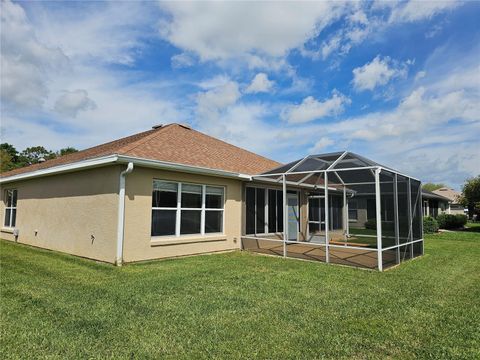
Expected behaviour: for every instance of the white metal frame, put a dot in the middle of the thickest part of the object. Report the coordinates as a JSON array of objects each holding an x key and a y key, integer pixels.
[
  {"x": 376, "y": 171},
  {"x": 203, "y": 209}
]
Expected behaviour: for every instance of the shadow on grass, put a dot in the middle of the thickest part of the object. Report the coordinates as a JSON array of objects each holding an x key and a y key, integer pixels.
[{"x": 470, "y": 228}]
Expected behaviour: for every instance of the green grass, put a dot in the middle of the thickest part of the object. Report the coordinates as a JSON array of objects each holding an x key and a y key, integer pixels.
[
  {"x": 472, "y": 227},
  {"x": 238, "y": 305}
]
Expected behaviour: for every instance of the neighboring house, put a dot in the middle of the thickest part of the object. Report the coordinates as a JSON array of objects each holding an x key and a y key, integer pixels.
[
  {"x": 434, "y": 204},
  {"x": 173, "y": 191},
  {"x": 453, "y": 196}
]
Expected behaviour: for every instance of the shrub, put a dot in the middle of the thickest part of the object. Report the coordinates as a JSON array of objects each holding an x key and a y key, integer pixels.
[
  {"x": 449, "y": 221},
  {"x": 461, "y": 220},
  {"x": 430, "y": 225}
]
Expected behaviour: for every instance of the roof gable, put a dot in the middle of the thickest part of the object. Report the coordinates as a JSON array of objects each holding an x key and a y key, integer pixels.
[{"x": 450, "y": 194}]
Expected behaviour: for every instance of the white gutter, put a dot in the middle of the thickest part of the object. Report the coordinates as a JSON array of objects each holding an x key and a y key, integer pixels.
[
  {"x": 105, "y": 160},
  {"x": 121, "y": 214},
  {"x": 62, "y": 168},
  {"x": 157, "y": 164}
]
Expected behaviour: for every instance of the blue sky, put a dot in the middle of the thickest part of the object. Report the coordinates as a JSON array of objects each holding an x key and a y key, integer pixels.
[{"x": 395, "y": 81}]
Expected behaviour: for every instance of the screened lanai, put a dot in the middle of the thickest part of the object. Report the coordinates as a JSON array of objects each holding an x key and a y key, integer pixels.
[{"x": 337, "y": 208}]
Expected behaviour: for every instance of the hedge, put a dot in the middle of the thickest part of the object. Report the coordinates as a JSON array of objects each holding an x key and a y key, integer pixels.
[
  {"x": 449, "y": 221},
  {"x": 430, "y": 225}
]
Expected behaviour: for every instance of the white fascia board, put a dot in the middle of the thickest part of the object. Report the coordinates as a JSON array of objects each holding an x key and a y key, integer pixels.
[
  {"x": 104, "y": 160},
  {"x": 156, "y": 164},
  {"x": 120, "y": 159}
]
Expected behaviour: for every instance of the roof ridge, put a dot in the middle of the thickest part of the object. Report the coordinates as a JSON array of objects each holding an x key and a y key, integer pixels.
[{"x": 143, "y": 140}]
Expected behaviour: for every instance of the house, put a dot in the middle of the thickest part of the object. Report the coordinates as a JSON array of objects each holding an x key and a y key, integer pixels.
[
  {"x": 434, "y": 204},
  {"x": 454, "y": 207},
  {"x": 173, "y": 191}
]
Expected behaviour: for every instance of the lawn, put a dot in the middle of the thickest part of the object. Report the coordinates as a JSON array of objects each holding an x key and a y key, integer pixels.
[{"x": 239, "y": 305}]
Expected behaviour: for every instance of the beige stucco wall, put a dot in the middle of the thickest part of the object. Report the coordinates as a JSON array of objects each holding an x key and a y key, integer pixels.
[
  {"x": 361, "y": 214},
  {"x": 63, "y": 212},
  {"x": 139, "y": 245}
]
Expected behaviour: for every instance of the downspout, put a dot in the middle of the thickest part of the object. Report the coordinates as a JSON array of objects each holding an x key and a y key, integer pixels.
[{"x": 121, "y": 214}]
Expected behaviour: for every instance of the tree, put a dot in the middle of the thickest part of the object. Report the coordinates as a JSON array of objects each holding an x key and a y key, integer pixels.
[
  {"x": 431, "y": 186},
  {"x": 6, "y": 162},
  {"x": 66, "y": 151},
  {"x": 31, "y": 155},
  {"x": 471, "y": 195},
  {"x": 8, "y": 157},
  {"x": 10, "y": 150}
]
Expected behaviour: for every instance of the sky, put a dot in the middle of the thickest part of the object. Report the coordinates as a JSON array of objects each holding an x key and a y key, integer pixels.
[{"x": 396, "y": 81}]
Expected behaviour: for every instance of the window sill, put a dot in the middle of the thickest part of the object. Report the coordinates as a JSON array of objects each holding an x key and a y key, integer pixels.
[
  {"x": 162, "y": 241},
  {"x": 7, "y": 230}
]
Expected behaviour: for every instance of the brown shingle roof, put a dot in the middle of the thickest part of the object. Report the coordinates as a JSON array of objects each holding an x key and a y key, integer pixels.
[{"x": 171, "y": 143}]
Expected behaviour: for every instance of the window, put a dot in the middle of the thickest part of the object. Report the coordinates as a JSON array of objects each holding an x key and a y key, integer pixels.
[
  {"x": 11, "y": 208},
  {"x": 352, "y": 210},
  {"x": 186, "y": 209},
  {"x": 264, "y": 210},
  {"x": 316, "y": 215},
  {"x": 213, "y": 209}
]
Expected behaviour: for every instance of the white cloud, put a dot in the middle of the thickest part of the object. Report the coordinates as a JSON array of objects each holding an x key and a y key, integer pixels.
[
  {"x": 212, "y": 102},
  {"x": 419, "y": 10},
  {"x": 260, "y": 83},
  {"x": 35, "y": 73},
  {"x": 311, "y": 109},
  {"x": 25, "y": 61},
  {"x": 368, "y": 20},
  {"x": 71, "y": 102},
  {"x": 376, "y": 73},
  {"x": 356, "y": 35},
  {"x": 216, "y": 30},
  {"x": 416, "y": 113},
  {"x": 420, "y": 75},
  {"x": 328, "y": 47},
  {"x": 320, "y": 145},
  {"x": 359, "y": 17},
  {"x": 110, "y": 33},
  {"x": 182, "y": 60}
]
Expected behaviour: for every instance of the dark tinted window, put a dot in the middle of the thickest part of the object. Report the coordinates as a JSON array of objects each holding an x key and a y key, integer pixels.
[
  {"x": 191, "y": 196},
  {"x": 250, "y": 210},
  {"x": 190, "y": 222},
  {"x": 260, "y": 205},
  {"x": 163, "y": 222},
  {"x": 272, "y": 211},
  {"x": 164, "y": 194},
  {"x": 213, "y": 221}
]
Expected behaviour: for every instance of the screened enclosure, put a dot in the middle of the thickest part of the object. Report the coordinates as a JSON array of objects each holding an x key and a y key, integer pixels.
[{"x": 336, "y": 208}]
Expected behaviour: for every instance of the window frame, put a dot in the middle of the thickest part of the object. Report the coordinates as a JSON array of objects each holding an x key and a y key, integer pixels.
[
  {"x": 11, "y": 208},
  {"x": 355, "y": 209},
  {"x": 203, "y": 209},
  {"x": 266, "y": 230}
]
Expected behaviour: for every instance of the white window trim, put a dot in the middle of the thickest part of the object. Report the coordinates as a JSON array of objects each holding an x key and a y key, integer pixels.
[
  {"x": 11, "y": 208},
  {"x": 202, "y": 209},
  {"x": 356, "y": 209}
]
